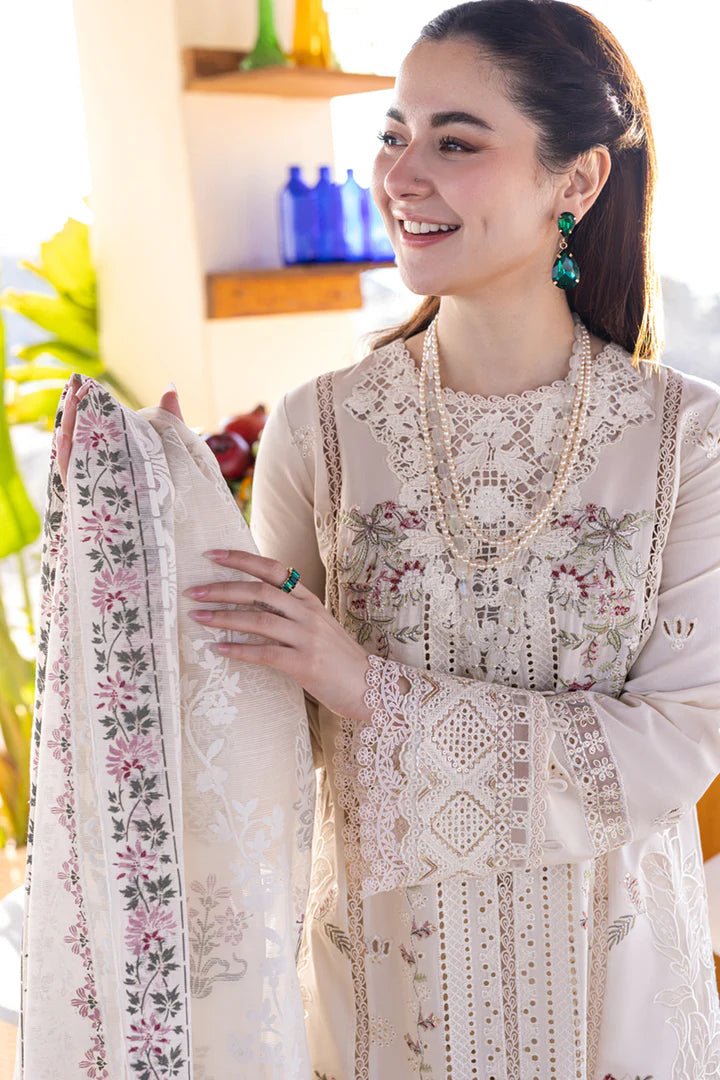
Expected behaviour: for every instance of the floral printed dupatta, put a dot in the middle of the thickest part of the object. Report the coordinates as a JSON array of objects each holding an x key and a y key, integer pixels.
[{"x": 172, "y": 789}]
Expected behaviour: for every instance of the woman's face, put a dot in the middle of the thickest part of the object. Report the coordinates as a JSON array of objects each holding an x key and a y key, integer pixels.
[{"x": 482, "y": 177}]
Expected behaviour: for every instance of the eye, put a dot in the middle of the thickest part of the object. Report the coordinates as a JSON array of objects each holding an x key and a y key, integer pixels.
[
  {"x": 446, "y": 142},
  {"x": 386, "y": 137}
]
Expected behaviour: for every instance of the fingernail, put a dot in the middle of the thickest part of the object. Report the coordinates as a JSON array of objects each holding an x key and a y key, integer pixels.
[
  {"x": 170, "y": 388},
  {"x": 77, "y": 379},
  {"x": 222, "y": 647},
  {"x": 215, "y": 554},
  {"x": 201, "y": 616},
  {"x": 197, "y": 592}
]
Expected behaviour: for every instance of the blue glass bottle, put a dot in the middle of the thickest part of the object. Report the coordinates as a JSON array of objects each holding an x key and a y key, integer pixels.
[
  {"x": 297, "y": 227},
  {"x": 379, "y": 247},
  {"x": 354, "y": 218},
  {"x": 330, "y": 238}
]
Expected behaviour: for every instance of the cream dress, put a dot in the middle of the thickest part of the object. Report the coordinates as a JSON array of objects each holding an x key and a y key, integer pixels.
[{"x": 507, "y": 881}]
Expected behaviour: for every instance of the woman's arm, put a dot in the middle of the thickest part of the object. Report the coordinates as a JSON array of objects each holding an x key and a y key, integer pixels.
[
  {"x": 282, "y": 519},
  {"x": 462, "y": 776}
]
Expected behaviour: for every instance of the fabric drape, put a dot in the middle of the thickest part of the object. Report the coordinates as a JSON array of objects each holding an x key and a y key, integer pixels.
[{"x": 172, "y": 789}]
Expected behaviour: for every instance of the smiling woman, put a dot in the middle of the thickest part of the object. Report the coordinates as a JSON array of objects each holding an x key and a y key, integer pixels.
[{"x": 504, "y": 523}]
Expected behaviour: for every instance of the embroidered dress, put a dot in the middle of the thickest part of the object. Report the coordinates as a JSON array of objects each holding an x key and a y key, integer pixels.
[
  {"x": 506, "y": 873},
  {"x": 172, "y": 789}
]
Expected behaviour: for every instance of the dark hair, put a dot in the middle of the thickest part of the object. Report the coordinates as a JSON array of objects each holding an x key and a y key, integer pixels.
[{"x": 567, "y": 73}]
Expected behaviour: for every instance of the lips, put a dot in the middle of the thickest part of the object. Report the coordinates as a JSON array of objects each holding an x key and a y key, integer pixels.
[{"x": 424, "y": 239}]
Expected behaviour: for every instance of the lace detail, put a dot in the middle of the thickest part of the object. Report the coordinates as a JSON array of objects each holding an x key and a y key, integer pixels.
[
  {"x": 503, "y": 446},
  {"x": 664, "y": 499},
  {"x": 355, "y": 914},
  {"x": 596, "y": 771},
  {"x": 448, "y": 777},
  {"x": 598, "y": 960}
]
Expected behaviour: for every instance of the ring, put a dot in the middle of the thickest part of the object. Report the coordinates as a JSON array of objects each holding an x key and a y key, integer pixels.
[{"x": 291, "y": 580}]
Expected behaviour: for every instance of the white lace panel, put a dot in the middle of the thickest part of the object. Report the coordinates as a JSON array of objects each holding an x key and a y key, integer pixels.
[
  {"x": 503, "y": 447},
  {"x": 449, "y": 777}
]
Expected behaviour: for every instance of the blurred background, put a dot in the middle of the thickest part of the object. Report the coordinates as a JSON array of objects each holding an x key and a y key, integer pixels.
[{"x": 145, "y": 175}]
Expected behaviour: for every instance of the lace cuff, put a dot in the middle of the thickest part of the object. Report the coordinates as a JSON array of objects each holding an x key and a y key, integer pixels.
[{"x": 448, "y": 778}]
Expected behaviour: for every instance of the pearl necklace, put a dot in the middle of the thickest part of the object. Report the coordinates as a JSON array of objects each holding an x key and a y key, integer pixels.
[{"x": 450, "y": 523}]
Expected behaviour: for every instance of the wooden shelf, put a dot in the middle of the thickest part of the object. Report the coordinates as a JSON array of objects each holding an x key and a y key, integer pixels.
[
  {"x": 313, "y": 287},
  {"x": 215, "y": 71}
]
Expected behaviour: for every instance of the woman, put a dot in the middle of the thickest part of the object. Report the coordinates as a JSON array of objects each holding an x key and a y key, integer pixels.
[{"x": 506, "y": 518}]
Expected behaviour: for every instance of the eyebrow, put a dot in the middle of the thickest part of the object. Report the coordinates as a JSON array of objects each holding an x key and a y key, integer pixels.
[{"x": 440, "y": 119}]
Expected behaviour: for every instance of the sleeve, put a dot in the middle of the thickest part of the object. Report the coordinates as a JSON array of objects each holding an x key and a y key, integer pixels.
[
  {"x": 282, "y": 519},
  {"x": 454, "y": 775}
]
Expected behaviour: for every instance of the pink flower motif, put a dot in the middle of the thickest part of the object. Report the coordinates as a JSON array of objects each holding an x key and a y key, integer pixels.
[
  {"x": 58, "y": 677},
  {"x": 148, "y": 1035},
  {"x": 101, "y": 526},
  {"x": 60, "y": 744},
  {"x": 93, "y": 430},
  {"x": 69, "y": 876},
  {"x": 126, "y": 756},
  {"x": 116, "y": 692},
  {"x": 95, "y": 1061},
  {"x": 64, "y": 808},
  {"x": 86, "y": 1001},
  {"x": 147, "y": 928},
  {"x": 136, "y": 861},
  {"x": 77, "y": 937},
  {"x": 113, "y": 589}
]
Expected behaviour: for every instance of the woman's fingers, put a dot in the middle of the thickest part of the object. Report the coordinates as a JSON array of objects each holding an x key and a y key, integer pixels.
[
  {"x": 64, "y": 438},
  {"x": 259, "y": 566},
  {"x": 169, "y": 401}
]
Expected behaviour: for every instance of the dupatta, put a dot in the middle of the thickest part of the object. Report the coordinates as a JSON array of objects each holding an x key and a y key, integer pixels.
[{"x": 172, "y": 788}]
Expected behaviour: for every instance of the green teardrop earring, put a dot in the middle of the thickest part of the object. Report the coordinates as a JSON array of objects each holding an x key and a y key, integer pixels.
[{"x": 565, "y": 271}]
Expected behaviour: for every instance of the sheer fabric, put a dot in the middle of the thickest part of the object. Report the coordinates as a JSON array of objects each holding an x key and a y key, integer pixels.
[{"x": 172, "y": 788}]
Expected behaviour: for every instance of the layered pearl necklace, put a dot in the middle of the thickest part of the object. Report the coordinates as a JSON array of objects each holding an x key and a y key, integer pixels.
[{"x": 453, "y": 514}]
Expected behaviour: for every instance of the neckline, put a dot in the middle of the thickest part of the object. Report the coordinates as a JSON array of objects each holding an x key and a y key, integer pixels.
[{"x": 532, "y": 394}]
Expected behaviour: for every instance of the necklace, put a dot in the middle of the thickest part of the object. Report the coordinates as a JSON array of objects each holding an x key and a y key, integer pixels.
[{"x": 443, "y": 474}]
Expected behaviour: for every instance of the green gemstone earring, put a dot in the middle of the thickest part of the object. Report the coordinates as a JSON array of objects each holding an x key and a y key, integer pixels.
[{"x": 565, "y": 271}]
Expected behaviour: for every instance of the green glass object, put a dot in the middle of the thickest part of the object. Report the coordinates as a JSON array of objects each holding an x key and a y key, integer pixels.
[
  {"x": 565, "y": 271},
  {"x": 566, "y": 223},
  {"x": 267, "y": 51}
]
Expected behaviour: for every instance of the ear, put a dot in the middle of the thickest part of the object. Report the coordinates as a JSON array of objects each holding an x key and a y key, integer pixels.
[{"x": 585, "y": 181}]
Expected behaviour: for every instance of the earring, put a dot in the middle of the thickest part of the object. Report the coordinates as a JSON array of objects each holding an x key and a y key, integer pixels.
[{"x": 565, "y": 271}]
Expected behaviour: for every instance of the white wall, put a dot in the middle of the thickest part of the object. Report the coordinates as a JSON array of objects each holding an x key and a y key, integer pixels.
[{"x": 184, "y": 184}]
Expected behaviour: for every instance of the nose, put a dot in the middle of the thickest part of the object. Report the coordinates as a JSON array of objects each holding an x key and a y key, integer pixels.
[{"x": 407, "y": 176}]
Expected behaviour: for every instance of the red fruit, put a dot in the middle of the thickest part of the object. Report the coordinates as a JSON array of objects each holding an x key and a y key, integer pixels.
[
  {"x": 232, "y": 453},
  {"x": 249, "y": 425}
]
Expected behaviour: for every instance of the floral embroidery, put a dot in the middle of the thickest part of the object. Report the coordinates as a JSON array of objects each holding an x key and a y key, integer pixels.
[
  {"x": 678, "y": 630},
  {"x": 134, "y": 762},
  {"x": 378, "y": 577},
  {"x": 424, "y": 1023},
  {"x": 305, "y": 438},
  {"x": 598, "y": 581},
  {"x": 676, "y": 903},
  {"x": 708, "y": 440}
]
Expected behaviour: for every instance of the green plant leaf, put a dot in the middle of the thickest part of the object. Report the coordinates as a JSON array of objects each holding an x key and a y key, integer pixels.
[
  {"x": 66, "y": 263},
  {"x": 35, "y": 402},
  {"x": 19, "y": 520},
  {"x": 73, "y": 359},
  {"x": 60, "y": 316}
]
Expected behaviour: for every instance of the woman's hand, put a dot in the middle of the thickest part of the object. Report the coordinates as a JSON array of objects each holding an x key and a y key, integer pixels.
[
  {"x": 78, "y": 390},
  {"x": 305, "y": 641}
]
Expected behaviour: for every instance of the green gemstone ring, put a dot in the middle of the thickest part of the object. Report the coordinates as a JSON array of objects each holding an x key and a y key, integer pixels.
[{"x": 291, "y": 580}]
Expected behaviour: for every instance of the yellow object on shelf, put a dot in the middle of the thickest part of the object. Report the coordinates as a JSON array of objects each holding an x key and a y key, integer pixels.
[{"x": 311, "y": 41}]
